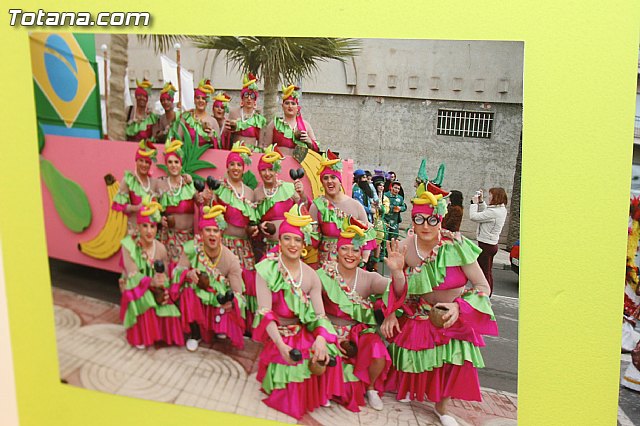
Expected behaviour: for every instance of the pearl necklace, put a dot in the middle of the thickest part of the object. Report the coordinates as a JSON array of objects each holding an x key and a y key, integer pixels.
[
  {"x": 247, "y": 117},
  {"x": 145, "y": 255},
  {"x": 293, "y": 283},
  {"x": 415, "y": 243},
  {"x": 355, "y": 283},
  {"x": 240, "y": 195},
  {"x": 148, "y": 187},
  {"x": 172, "y": 190},
  {"x": 272, "y": 192}
]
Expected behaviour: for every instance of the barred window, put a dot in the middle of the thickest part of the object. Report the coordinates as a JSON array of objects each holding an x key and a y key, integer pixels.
[{"x": 469, "y": 124}]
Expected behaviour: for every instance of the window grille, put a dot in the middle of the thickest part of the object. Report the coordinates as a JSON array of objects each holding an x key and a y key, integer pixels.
[{"x": 468, "y": 124}]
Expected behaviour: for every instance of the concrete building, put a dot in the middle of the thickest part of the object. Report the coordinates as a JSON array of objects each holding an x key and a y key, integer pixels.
[{"x": 457, "y": 102}]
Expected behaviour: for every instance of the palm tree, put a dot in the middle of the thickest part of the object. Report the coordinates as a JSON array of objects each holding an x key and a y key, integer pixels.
[
  {"x": 278, "y": 59},
  {"x": 118, "y": 68},
  {"x": 514, "y": 222}
]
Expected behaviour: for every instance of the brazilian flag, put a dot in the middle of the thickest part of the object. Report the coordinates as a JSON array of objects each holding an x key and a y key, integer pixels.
[{"x": 65, "y": 79}]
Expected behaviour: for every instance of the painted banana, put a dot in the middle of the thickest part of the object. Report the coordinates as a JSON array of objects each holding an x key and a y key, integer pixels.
[{"x": 107, "y": 242}]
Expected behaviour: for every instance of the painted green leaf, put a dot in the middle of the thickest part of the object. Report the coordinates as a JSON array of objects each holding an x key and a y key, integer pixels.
[
  {"x": 69, "y": 198},
  {"x": 40, "y": 138},
  {"x": 249, "y": 179}
]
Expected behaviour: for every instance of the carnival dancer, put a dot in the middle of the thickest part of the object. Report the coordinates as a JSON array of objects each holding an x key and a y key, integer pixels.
[
  {"x": 347, "y": 301},
  {"x": 141, "y": 120},
  {"x": 384, "y": 206},
  {"x": 291, "y": 322},
  {"x": 168, "y": 120},
  {"x": 178, "y": 201},
  {"x": 245, "y": 123},
  {"x": 631, "y": 312},
  {"x": 198, "y": 121},
  {"x": 210, "y": 280},
  {"x": 240, "y": 216},
  {"x": 146, "y": 309},
  {"x": 291, "y": 129},
  {"x": 220, "y": 109},
  {"x": 274, "y": 197},
  {"x": 435, "y": 345},
  {"x": 332, "y": 207},
  {"x": 135, "y": 186}
]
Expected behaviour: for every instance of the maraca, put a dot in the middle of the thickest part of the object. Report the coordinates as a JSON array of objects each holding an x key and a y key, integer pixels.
[
  {"x": 435, "y": 315},
  {"x": 213, "y": 183},
  {"x": 295, "y": 355},
  {"x": 199, "y": 185}
]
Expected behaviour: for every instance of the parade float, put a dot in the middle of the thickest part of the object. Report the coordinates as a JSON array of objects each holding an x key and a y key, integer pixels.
[{"x": 80, "y": 171}]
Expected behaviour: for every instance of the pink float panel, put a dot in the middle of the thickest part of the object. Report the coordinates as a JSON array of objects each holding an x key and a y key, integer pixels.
[{"x": 87, "y": 161}]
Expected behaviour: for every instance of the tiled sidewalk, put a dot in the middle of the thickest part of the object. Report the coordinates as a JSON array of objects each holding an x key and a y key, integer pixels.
[{"x": 94, "y": 355}]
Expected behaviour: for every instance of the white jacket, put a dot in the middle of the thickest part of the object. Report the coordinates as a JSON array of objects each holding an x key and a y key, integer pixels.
[{"x": 490, "y": 221}]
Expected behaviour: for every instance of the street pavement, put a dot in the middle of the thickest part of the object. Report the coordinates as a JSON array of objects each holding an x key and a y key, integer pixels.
[{"x": 94, "y": 355}]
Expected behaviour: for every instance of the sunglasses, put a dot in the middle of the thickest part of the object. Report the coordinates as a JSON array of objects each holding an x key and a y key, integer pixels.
[
  {"x": 431, "y": 220},
  {"x": 250, "y": 95}
]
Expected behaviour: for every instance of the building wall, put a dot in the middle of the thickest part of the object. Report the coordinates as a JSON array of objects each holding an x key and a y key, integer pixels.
[{"x": 395, "y": 134}]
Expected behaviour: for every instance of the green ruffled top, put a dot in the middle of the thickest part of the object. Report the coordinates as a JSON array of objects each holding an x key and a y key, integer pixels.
[
  {"x": 256, "y": 120},
  {"x": 297, "y": 301},
  {"x": 145, "y": 269},
  {"x": 227, "y": 195},
  {"x": 360, "y": 310},
  {"x": 135, "y": 127},
  {"x": 194, "y": 252},
  {"x": 284, "y": 128},
  {"x": 196, "y": 124},
  {"x": 453, "y": 250},
  {"x": 186, "y": 193},
  {"x": 134, "y": 185},
  {"x": 285, "y": 192},
  {"x": 332, "y": 214}
]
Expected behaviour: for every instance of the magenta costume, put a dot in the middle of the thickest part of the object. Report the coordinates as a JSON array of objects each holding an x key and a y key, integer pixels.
[
  {"x": 201, "y": 306},
  {"x": 144, "y": 319},
  {"x": 441, "y": 362},
  {"x": 339, "y": 302},
  {"x": 330, "y": 220},
  {"x": 292, "y": 389}
]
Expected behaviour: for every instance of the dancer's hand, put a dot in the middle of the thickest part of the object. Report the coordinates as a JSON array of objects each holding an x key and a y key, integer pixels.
[
  {"x": 193, "y": 276},
  {"x": 452, "y": 316},
  {"x": 395, "y": 255},
  {"x": 319, "y": 349},
  {"x": 284, "y": 350},
  {"x": 389, "y": 326}
]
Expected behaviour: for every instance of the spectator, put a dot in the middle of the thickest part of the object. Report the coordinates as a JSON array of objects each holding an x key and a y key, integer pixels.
[
  {"x": 396, "y": 206},
  {"x": 362, "y": 192},
  {"x": 453, "y": 218},
  {"x": 490, "y": 220}
]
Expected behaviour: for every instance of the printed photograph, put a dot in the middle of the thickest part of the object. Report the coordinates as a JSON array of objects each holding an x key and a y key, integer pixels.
[{"x": 317, "y": 231}]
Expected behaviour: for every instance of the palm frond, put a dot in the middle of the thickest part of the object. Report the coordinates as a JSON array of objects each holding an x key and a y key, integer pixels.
[{"x": 161, "y": 43}]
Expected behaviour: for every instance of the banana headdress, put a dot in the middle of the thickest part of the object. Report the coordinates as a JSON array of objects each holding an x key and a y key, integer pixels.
[
  {"x": 239, "y": 153},
  {"x": 351, "y": 233},
  {"x": 143, "y": 88},
  {"x": 429, "y": 203},
  {"x": 221, "y": 99},
  {"x": 330, "y": 165},
  {"x": 270, "y": 159},
  {"x": 146, "y": 151},
  {"x": 213, "y": 216},
  {"x": 150, "y": 211},
  {"x": 204, "y": 89},
  {"x": 173, "y": 147},
  {"x": 299, "y": 223},
  {"x": 290, "y": 92},
  {"x": 249, "y": 85},
  {"x": 168, "y": 91}
]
